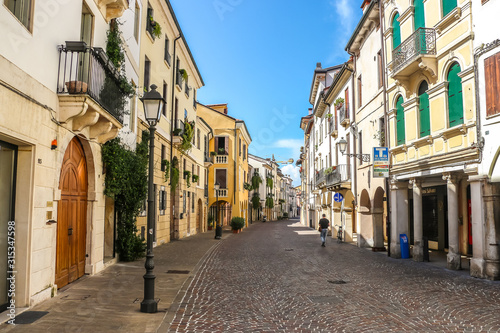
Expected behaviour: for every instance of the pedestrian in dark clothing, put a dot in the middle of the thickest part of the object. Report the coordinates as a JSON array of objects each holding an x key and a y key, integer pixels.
[{"x": 323, "y": 225}]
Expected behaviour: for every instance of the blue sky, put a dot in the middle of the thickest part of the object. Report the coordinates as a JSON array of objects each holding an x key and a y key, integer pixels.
[{"x": 259, "y": 57}]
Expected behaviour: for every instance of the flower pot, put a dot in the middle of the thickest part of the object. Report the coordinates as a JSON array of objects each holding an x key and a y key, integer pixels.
[
  {"x": 76, "y": 87},
  {"x": 236, "y": 231}
]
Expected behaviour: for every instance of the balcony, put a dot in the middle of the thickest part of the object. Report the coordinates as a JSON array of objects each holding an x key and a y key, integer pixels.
[
  {"x": 320, "y": 177},
  {"x": 339, "y": 177},
  {"x": 343, "y": 115},
  {"x": 332, "y": 127},
  {"x": 209, "y": 160},
  {"x": 221, "y": 159},
  {"x": 416, "y": 53},
  {"x": 222, "y": 193},
  {"x": 178, "y": 131},
  {"x": 112, "y": 8},
  {"x": 85, "y": 72}
]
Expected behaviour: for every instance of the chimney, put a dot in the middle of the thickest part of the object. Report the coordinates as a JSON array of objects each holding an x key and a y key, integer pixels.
[
  {"x": 310, "y": 110},
  {"x": 318, "y": 65}
]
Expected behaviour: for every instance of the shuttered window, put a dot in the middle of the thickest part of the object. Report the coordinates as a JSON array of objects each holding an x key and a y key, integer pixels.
[
  {"x": 419, "y": 14},
  {"x": 448, "y": 6},
  {"x": 455, "y": 101},
  {"x": 400, "y": 121},
  {"x": 424, "y": 114},
  {"x": 396, "y": 32},
  {"x": 492, "y": 79}
]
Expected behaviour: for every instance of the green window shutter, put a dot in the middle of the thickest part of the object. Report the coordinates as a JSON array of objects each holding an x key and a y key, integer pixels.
[
  {"x": 424, "y": 114},
  {"x": 419, "y": 14},
  {"x": 455, "y": 101},
  {"x": 448, "y": 6},
  {"x": 396, "y": 32},
  {"x": 400, "y": 122}
]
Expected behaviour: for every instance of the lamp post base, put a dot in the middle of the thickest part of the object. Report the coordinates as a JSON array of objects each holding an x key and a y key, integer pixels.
[
  {"x": 218, "y": 232},
  {"x": 149, "y": 306}
]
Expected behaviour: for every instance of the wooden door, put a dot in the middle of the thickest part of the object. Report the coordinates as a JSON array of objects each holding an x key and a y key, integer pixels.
[{"x": 72, "y": 216}]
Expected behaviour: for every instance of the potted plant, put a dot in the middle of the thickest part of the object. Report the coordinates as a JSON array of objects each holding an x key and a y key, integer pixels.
[
  {"x": 155, "y": 28},
  {"x": 339, "y": 102},
  {"x": 237, "y": 223},
  {"x": 184, "y": 74},
  {"x": 210, "y": 223},
  {"x": 329, "y": 116},
  {"x": 187, "y": 177},
  {"x": 222, "y": 151},
  {"x": 213, "y": 153}
]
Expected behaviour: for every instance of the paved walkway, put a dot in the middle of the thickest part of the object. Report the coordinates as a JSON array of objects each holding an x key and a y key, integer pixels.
[
  {"x": 110, "y": 300},
  {"x": 273, "y": 277}
]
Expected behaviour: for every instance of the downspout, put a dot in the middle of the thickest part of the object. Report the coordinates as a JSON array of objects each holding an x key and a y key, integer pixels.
[
  {"x": 354, "y": 138},
  {"x": 234, "y": 165},
  {"x": 386, "y": 129},
  {"x": 173, "y": 99},
  {"x": 329, "y": 136}
]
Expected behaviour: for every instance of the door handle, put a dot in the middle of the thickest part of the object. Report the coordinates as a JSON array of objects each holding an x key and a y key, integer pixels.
[{"x": 70, "y": 231}]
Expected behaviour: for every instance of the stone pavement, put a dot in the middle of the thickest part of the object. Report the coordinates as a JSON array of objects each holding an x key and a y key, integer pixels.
[
  {"x": 110, "y": 300},
  {"x": 275, "y": 277}
]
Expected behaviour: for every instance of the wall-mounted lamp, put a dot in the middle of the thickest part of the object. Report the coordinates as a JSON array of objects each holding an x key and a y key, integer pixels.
[
  {"x": 343, "y": 146},
  {"x": 53, "y": 144}
]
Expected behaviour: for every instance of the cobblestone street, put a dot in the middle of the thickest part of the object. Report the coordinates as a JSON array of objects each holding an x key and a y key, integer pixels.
[{"x": 275, "y": 277}]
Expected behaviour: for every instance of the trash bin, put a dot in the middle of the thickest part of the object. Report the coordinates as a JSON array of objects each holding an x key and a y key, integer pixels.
[{"x": 405, "y": 247}]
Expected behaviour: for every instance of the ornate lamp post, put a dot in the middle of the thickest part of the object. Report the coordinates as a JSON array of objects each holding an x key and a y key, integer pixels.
[
  {"x": 153, "y": 103},
  {"x": 218, "y": 227},
  {"x": 343, "y": 146}
]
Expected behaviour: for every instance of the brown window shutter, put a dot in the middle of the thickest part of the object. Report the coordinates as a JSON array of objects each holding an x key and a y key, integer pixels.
[
  {"x": 346, "y": 102},
  {"x": 226, "y": 142},
  {"x": 492, "y": 77}
]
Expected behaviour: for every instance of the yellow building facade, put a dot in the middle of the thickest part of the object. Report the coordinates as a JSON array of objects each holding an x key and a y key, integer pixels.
[
  {"x": 432, "y": 123},
  {"x": 229, "y": 150},
  {"x": 179, "y": 158}
]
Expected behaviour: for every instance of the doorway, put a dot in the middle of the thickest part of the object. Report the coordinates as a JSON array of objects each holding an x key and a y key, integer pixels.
[
  {"x": 8, "y": 167},
  {"x": 72, "y": 216}
]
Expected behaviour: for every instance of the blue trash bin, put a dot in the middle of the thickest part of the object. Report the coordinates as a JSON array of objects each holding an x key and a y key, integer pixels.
[{"x": 405, "y": 247}]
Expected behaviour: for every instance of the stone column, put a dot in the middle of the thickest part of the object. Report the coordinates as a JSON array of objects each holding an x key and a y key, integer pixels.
[
  {"x": 399, "y": 215},
  {"x": 491, "y": 198},
  {"x": 477, "y": 264},
  {"x": 418, "y": 229},
  {"x": 454, "y": 261}
]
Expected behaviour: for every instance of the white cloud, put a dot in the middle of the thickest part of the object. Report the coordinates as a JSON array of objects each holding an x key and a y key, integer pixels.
[
  {"x": 293, "y": 172},
  {"x": 345, "y": 18},
  {"x": 292, "y": 144}
]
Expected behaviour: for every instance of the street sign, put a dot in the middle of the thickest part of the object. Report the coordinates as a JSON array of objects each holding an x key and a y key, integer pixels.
[
  {"x": 380, "y": 162},
  {"x": 337, "y": 197}
]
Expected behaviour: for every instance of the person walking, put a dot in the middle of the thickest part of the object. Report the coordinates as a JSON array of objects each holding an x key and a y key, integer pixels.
[{"x": 323, "y": 226}]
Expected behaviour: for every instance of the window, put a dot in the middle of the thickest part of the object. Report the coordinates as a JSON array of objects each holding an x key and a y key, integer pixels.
[
  {"x": 149, "y": 23},
  {"x": 184, "y": 201},
  {"x": 492, "y": 79},
  {"x": 419, "y": 19},
  {"x": 448, "y": 6},
  {"x": 424, "y": 114},
  {"x": 167, "y": 56},
  {"x": 192, "y": 202},
  {"x": 194, "y": 98},
  {"x": 198, "y": 174},
  {"x": 198, "y": 136},
  {"x": 221, "y": 177},
  {"x": 221, "y": 145},
  {"x": 346, "y": 103},
  {"x": 137, "y": 21},
  {"x": 455, "y": 101},
  {"x": 163, "y": 157},
  {"x": 244, "y": 152},
  {"x": 176, "y": 111},
  {"x": 147, "y": 70},
  {"x": 360, "y": 85},
  {"x": 22, "y": 10},
  {"x": 400, "y": 122},
  {"x": 239, "y": 146},
  {"x": 380, "y": 70},
  {"x": 162, "y": 200},
  {"x": 165, "y": 89},
  {"x": 178, "y": 76},
  {"x": 396, "y": 32}
]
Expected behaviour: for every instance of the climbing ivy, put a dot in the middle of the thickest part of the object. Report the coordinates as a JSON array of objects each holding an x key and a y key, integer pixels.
[
  {"x": 126, "y": 182},
  {"x": 174, "y": 180},
  {"x": 256, "y": 181},
  {"x": 256, "y": 201},
  {"x": 269, "y": 202},
  {"x": 269, "y": 182}
]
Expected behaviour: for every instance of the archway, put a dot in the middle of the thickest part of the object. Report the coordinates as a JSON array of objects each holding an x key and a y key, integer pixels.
[
  {"x": 72, "y": 216},
  {"x": 378, "y": 214},
  {"x": 365, "y": 220}
]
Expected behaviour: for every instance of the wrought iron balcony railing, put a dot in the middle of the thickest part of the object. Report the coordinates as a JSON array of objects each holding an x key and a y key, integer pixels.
[
  {"x": 341, "y": 174},
  {"x": 343, "y": 114},
  {"x": 178, "y": 127},
  {"x": 84, "y": 70},
  {"x": 421, "y": 42},
  {"x": 320, "y": 176}
]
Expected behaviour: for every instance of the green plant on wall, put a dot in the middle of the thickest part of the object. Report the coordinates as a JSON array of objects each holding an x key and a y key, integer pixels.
[
  {"x": 247, "y": 186},
  {"x": 126, "y": 182},
  {"x": 269, "y": 202},
  {"x": 269, "y": 182},
  {"x": 174, "y": 180},
  {"x": 338, "y": 102},
  {"x": 256, "y": 201},
  {"x": 184, "y": 74},
  {"x": 166, "y": 166},
  {"x": 195, "y": 178},
  {"x": 256, "y": 181},
  {"x": 187, "y": 176},
  {"x": 156, "y": 28},
  {"x": 187, "y": 137}
]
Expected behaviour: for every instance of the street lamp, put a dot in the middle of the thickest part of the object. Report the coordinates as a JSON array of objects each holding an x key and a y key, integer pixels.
[
  {"x": 218, "y": 227},
  {"x": 343, "y": 146},
  {"x": 153, "y": 103}
]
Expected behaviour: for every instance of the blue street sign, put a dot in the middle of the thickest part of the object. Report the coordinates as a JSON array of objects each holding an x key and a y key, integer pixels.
[
  {"x": 381, "y": 154},
  {"x": 337, "y": 197}
]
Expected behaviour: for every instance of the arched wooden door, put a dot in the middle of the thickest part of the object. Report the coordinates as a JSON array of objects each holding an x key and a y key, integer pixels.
[{"x": 72, "y": 216}]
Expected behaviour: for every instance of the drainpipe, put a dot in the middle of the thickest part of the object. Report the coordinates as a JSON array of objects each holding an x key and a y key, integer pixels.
[
  {"x": 386, "y": 129},
  {"x": 234, "y": 165},
  {"x": 354, "y": 139}
]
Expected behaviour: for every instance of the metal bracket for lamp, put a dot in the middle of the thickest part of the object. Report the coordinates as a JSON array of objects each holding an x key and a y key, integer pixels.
[{"x": 343, "y": 145}]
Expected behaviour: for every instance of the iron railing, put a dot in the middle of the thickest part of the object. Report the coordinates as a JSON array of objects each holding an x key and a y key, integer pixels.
[
  {"x": 320, "y": 176},
  {"x": 332, "y": 125},
  {"x": 343, "y": 113},
  {"x": 421, "y": 42},
  {"x": 178, "y": 127},
  {"x": 339, "y": 175},
  {"x": 87, "y": 70}
]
